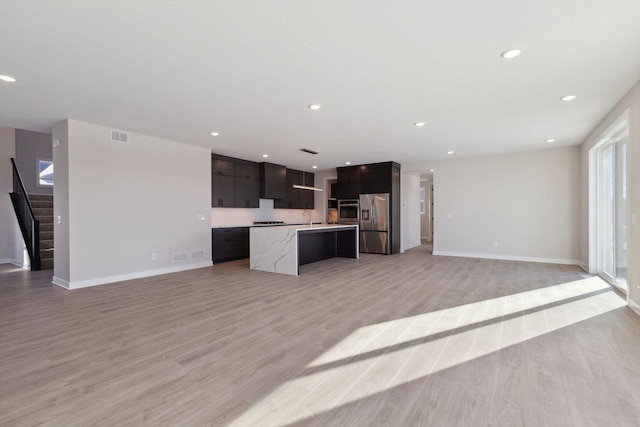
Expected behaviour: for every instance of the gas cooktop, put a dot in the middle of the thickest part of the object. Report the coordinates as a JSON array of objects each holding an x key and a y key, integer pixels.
[{"x": 267, "y": 222}]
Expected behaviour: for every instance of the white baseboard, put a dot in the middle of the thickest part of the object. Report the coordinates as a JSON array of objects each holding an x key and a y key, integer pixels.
[
  {"x": 60, "y": 282},
  {"x": 635, "y": 307},
  {"x": 509, "y": 257},
  {"x": 5, "y": 261},
  {"x": 122, "y": 277},
  {"x": 583, "y": 266}
]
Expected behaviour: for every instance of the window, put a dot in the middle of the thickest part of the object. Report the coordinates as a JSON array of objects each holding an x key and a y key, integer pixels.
[
  {"x": 44, "y": 169},
  {"x": 422, "y": 207}
]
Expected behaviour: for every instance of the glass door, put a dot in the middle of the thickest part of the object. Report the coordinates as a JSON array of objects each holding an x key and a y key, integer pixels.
[{"x": 612, "y": 208}]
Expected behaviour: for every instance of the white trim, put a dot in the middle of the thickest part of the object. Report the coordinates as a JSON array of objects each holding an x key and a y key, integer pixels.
[
  {"x": 25, "y": 265},
  {"x": 6, "y": 261},
  {"x": 510, "y": 257},
  {"x": 635, "y": 307},
  {"x": 122, "y": 277},
  {"x": 60, "y": 282},
  {"x": 583, "y": 266}
]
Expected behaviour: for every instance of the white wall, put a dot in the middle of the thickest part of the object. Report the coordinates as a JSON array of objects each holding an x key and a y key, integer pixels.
[
  {"x": 410, "y": 210},
  {"x": 630, "y": 102},
  {"x": 61, "y": 254},
  {"x": 126, "y": 201},
  {"x": 527, "y": 202},
  {"x": 11, "y": 244}
]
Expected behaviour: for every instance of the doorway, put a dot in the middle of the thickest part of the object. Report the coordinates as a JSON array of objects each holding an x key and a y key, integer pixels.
[
  {"x": 426, "y": 208},
  {"x": 610, "y": 155}
]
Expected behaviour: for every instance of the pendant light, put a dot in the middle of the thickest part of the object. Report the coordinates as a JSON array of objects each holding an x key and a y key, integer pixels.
[{"x": 305, "y": 187}]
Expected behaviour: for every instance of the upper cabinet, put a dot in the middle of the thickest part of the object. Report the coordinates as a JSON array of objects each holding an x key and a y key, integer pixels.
[
  {"x": 366, "y": 179},
  {"x": 348, "y": 182},
  {"x": 237, "y": 183},
  {"x": 234, "y": 183},
  {"x": 273, "y": 181},
  {"x": 296, "y": 198}
]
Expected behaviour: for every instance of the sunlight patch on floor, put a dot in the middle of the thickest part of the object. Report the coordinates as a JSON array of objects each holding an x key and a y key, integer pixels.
[{"x": 388, "y": 354}]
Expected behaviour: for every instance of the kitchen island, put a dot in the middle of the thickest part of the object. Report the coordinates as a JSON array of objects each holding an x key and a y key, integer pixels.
[{"x": 284, "y": 249}]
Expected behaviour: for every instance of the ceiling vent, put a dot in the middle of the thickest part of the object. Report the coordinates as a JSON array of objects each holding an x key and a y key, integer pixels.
[
  {"x": 306, "y": 150},
  {"x": 119, "y": 136}
]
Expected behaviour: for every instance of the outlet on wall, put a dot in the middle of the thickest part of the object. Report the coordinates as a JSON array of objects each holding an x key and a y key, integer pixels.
[
  {"x": 495, "y": 244},
  {"x": 154, "y": 256}
]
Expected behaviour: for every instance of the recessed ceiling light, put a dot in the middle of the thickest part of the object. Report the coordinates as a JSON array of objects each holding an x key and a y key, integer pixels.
[
  {"x": 347, "y": 163},
  {"x": 420, "y": 124},
  {"x": 510, "y": 54},
  {"x": 214, "y": 134},
  {"x": 551, "y": 140},
  {"x": 314, "y": 106},
  {"x": 568, "y": 98},
  {"x": 450, "y": 152},
  {"x": 431, "y": 170},
  {"x": 265, "y": 155},
  {"x": 6, "y": 78},
  {"x": 314, "y": 167}
]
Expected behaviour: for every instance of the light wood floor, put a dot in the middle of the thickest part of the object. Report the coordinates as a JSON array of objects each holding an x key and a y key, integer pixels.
[{"x": 400, "y": 340}]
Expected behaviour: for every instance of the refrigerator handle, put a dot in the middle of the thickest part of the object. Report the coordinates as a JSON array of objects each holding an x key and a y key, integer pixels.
[{"x": 373, "y": 213}]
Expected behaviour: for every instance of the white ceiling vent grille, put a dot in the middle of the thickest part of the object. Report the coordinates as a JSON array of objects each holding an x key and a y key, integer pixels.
[
  {"x": 199, "y": 254},
  {"x": 119, "y": 136},
  {"x": 179, "y": 256}
]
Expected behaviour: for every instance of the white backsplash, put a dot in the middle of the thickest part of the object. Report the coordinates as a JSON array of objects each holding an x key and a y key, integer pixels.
[{"x": 266, "y": 212}]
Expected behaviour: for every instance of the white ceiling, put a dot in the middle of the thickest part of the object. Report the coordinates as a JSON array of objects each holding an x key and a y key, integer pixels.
[{"x": 249, "y": 69}]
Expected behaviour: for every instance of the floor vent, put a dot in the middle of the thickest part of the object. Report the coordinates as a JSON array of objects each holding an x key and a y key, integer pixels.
[
  {"x": 179, "y": 256},
  {"x": 119, "y": 136},
  {"x": 197, "y": 254}
]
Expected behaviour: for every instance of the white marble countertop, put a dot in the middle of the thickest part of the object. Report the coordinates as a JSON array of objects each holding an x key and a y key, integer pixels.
[
  {"x": 275, "y": 249},
  {"x": 266, "y": 225}
]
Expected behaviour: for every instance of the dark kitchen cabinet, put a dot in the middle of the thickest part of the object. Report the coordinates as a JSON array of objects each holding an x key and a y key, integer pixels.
[
  {"x": 247, "y": 170},
  {"x": 273, "y": 181},
  {"x": 229, "y": 243},
  {"x": 348, "y": 182},
  {"x": 234, "y": 183},
  {"x": 306, "y": 198},
  {"x": 222, "y": 191},
  {"x": 296, "y": 198},
  {"x": 314, "y": 247},
  {"x": 247, "y": 193},
  {"x": 375, "y": 178},
  {"x": 290, "y": 201},
  {"x": 222, "y": 166}
]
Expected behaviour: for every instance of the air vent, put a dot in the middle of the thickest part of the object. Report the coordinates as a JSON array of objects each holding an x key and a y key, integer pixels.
[
  {"x": 197, "y": 254},
  {"x": 179, "y": 256},
  {"x": 119, "y": 136},
  {"x": 306, "y": 150}
]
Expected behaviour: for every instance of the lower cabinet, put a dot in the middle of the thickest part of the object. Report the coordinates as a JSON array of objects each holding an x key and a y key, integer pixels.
[
  {"x": 229, "y": 243},
  {"x": 314, "y": 247}
]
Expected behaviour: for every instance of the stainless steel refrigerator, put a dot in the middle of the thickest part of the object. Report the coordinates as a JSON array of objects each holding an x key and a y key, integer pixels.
[{"x": 374, "y": 223}]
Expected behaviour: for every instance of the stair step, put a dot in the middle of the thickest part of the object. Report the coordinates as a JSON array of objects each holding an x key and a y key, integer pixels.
[
  {"x": 45, "y": 219},
  {"x": 46, "y": 235},
  {"x": 43, "y": 211},
  {"x": 46, "y": 244},
  {"x": 46, "y": 226},
  {"x": 41, "y": 204},
  {"x": 46, "y": 264},
  {"x": 45, "y": 197}
]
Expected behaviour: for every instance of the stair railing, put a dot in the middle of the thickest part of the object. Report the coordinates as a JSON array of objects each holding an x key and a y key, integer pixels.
[{"x": 29, "y": 225}]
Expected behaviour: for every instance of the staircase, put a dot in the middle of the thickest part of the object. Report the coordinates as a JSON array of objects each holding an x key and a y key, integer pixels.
[{"x": 43, "y": 210}]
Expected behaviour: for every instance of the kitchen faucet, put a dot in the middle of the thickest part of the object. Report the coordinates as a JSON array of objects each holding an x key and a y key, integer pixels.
[{"x": 309, "y": 212}]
